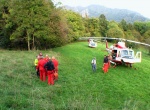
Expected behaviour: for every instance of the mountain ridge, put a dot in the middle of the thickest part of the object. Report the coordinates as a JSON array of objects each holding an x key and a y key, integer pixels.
[{"x": 110, "y": 13}]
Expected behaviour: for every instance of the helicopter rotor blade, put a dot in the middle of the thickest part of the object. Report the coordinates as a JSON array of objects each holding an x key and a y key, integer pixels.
[
  {"x": 110, "y": 38},
  {"x": 136, "y": 42}
]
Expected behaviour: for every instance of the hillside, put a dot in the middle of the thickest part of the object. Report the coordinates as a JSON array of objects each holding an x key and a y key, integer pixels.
[
  {"x": 78, "y": 88},
  {"x": 111, "y": 14}
]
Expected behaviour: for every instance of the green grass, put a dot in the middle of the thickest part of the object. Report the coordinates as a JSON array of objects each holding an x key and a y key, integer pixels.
[{"x": 78, "y": 88}]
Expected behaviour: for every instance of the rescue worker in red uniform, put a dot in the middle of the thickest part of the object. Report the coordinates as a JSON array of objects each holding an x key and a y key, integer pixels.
[
  {"x": 49, "y": 66},
  {"x": 40, "y": 65},
  {"x": 55, "y": 62},
  {"x": 105, "y": 64},
  {"x": 46, "y": 60}
]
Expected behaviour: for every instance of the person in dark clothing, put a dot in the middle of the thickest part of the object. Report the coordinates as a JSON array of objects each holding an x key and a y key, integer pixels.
[
  {"x": 49, "y": 66},
  {"x": 105, "y": 64},
  {"x": 113, "y": 55},
  {"x": 105, "y": 59}
]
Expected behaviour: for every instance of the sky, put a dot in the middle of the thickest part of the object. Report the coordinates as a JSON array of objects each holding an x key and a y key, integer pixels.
[{"x": 140, "y": 6}]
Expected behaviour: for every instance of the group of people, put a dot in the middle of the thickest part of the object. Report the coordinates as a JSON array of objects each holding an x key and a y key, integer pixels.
[
  {"x": 106, "y": 63},
  {"x": 46, "y": 67}
]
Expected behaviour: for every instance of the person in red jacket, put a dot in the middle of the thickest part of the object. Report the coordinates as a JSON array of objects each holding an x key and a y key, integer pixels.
[
  {"x": 46, "y": 58},
  {"x": 40, "y": 65},
  {"x": 49, "y": 66},
  {"x": 55, "y": 62}
]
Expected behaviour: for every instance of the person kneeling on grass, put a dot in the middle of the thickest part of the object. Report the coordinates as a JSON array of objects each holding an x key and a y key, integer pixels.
[{"x": 49, "y": 66}]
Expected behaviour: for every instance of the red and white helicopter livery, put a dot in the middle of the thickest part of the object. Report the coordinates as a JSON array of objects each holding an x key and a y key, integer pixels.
[{"x": 119, "y": 52}]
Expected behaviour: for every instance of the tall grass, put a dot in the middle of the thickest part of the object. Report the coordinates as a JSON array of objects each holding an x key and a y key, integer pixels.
[{"x": 78, "y": 88}]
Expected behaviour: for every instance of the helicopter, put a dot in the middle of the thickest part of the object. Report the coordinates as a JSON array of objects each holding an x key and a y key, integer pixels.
[
  {"x": 119, "y": 53},
  {"x": 92, "y": 43}
]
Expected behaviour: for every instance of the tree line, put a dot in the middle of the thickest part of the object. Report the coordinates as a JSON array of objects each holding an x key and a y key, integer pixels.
[{"x": 39, "y": 24}]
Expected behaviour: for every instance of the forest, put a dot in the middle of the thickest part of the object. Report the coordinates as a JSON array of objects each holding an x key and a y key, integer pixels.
[{"x": 39, "y": 24}]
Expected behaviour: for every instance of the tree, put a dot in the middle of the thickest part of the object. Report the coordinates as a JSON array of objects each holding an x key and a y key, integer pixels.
[
  {"x": 28, "y": 20},
  {"x": 140, "y": 27},
  {"x": 103, "y": 25},
  {"x": 93, "y": 27},
  {"x": 4, "y": 34},
  {"x": 146, "y": 35},
  {"x": 58, "y": 28},
  {"x": 129, "y": 35},
  {"x": 87, "y": 32},
  {"x": 75, "y": 25},
  {"x": 123, "y": 24},
  {"x": 114, "y": 30}
]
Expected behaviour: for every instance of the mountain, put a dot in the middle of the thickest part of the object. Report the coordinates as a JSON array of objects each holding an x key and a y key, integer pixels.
[{"x": 111, "y": 14}]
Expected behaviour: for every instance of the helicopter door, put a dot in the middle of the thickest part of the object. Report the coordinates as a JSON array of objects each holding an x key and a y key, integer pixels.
[
  {"x": 114, "y": 54},
  {"x": 138, "y": 56},
  {"x": 119, "y": 53}
]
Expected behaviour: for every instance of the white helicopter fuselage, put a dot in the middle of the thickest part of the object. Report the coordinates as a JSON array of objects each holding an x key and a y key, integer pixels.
[
  {"x": 124, "y": 54},
  {"x": 129, "y": 56},
  {"x": 92, "y": 43}
]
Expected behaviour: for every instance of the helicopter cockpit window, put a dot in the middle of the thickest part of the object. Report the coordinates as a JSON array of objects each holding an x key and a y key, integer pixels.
[
  {"x": 124, "y": 52},
  {"x": 130, "y": 53}
]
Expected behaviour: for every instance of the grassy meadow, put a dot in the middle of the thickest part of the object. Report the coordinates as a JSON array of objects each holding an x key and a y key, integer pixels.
[{"x": 78, "y": 88}]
